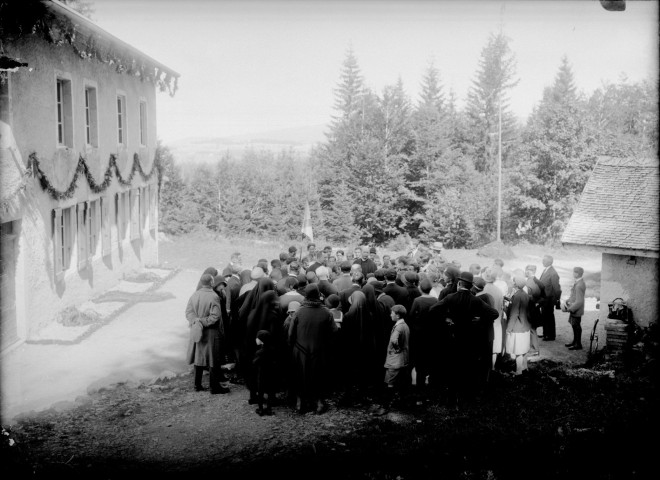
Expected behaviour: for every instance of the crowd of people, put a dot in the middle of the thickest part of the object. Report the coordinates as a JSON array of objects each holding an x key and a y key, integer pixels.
[{"x": 331, "y": 321}]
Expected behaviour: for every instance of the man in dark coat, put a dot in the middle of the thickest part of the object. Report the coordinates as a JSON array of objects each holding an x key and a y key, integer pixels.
[
  {"x": 368, "y": 266},
  {"x": 345, "y": 294},
  {"x": 465, "y": 318},
  {"x": 344, "y": 280},
  {"x": 310, "y": 337},
  {"x": 550, "y": 280},
  {"x": 398, "y": 293},
  {"x": 204, "y": 307}
]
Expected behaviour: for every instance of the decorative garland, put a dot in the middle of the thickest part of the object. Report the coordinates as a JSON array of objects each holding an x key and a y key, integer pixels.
[
  {"x": 33, "y": 18},
  {"x": 83, "y": 169}
]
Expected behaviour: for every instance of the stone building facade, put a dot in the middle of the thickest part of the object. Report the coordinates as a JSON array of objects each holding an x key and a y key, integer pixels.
[{"x": 79, "y": 191}]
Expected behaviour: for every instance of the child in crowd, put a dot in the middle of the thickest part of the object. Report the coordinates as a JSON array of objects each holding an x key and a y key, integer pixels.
[{"x": 397, "y": 375}]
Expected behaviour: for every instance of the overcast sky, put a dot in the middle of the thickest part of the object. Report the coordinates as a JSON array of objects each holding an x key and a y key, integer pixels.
[{"x": 253, "y": 66}]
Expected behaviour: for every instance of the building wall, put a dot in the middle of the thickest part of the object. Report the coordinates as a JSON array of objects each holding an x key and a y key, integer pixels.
[
  {"x": 32, "y": 121},
  {"x": 636, "y": 283}
]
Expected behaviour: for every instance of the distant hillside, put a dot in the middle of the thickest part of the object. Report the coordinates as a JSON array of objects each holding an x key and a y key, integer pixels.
[{"x": 203, "y": 149}]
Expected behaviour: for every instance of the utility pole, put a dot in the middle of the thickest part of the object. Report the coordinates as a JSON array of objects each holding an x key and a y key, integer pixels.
[{"x": 499, "y": 170}]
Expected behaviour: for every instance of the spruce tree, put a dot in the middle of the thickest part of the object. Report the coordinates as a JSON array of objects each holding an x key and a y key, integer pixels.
[{"x": 495, "y": 77}]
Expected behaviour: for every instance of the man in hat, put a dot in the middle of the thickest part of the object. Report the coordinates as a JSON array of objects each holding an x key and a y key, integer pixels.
[
  {"x": 575, "y": 308},
  {"x": 466, "y": 319}
]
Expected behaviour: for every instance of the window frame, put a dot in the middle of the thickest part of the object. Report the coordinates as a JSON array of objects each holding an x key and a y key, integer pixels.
[
  {"x": 64, "y": 116},
  {"x": 143, "y": 124},
  {"x": 122, "y": 118},
  {"x": 91, "y": 114},
  {"x": 62, "y": 240}
]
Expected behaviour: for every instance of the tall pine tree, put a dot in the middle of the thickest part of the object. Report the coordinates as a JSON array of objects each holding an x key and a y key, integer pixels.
[{"x": 495, "y": 77}]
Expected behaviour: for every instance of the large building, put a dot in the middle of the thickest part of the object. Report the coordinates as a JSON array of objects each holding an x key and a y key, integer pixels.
[
  {"x": 618, "y": 214},
  {"x": 79, "y": 191}
]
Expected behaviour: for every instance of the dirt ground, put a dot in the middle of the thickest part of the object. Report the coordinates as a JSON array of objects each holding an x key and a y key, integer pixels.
[
  {"x": 571, "y": 416},
  {"x": 557, "y": 421}
]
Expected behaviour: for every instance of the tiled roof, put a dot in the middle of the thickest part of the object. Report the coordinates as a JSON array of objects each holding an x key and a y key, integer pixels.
[{"x": 619, "y": 207}]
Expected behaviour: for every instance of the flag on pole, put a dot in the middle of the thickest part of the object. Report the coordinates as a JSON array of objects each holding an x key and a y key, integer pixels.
[{"x": 306, "y": 228}]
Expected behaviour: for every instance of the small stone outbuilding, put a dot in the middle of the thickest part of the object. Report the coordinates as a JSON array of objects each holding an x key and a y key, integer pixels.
[{"x": 618, "y": 214}]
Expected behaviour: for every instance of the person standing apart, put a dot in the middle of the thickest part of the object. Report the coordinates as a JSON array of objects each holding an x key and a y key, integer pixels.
[
  {"x": 575, "y": 307},
  {"x": 550, "y": 280},
  {"x": 205, "y": 353}
]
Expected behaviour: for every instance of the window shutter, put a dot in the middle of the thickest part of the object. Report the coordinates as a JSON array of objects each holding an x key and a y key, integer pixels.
[
  {"x": 135, "y": 213},
  {"x": 82, "y": 240},
  {"x": 97, "y": 224},
  {"x": 127, "y": 213},
  {"x": 57, "y": 244},
  {"x": 106, "y": 238},
  {"x": 153, "y": 191},
  {"x": 144, "y": 201},
  {"x": 91, "y": 230}
]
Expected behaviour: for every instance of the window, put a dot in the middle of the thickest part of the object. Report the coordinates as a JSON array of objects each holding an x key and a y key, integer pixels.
[
  {"x": 106, "y": 236},
  {"x": 91, "y": 117},
  {"x": 135, "y": 213},
  {"x": 62, "y": 240},
  {"x": 93, "y": 225},
  {"x": 121, "y": 119},
  {"x": 143, "y": 123},
  {"x": 64, "y": 113}
]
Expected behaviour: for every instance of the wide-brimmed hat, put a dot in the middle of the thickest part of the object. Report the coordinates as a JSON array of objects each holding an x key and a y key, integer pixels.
[
  {"x": 466, "y": 277},
  {"x": 436, "y": 246}
]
